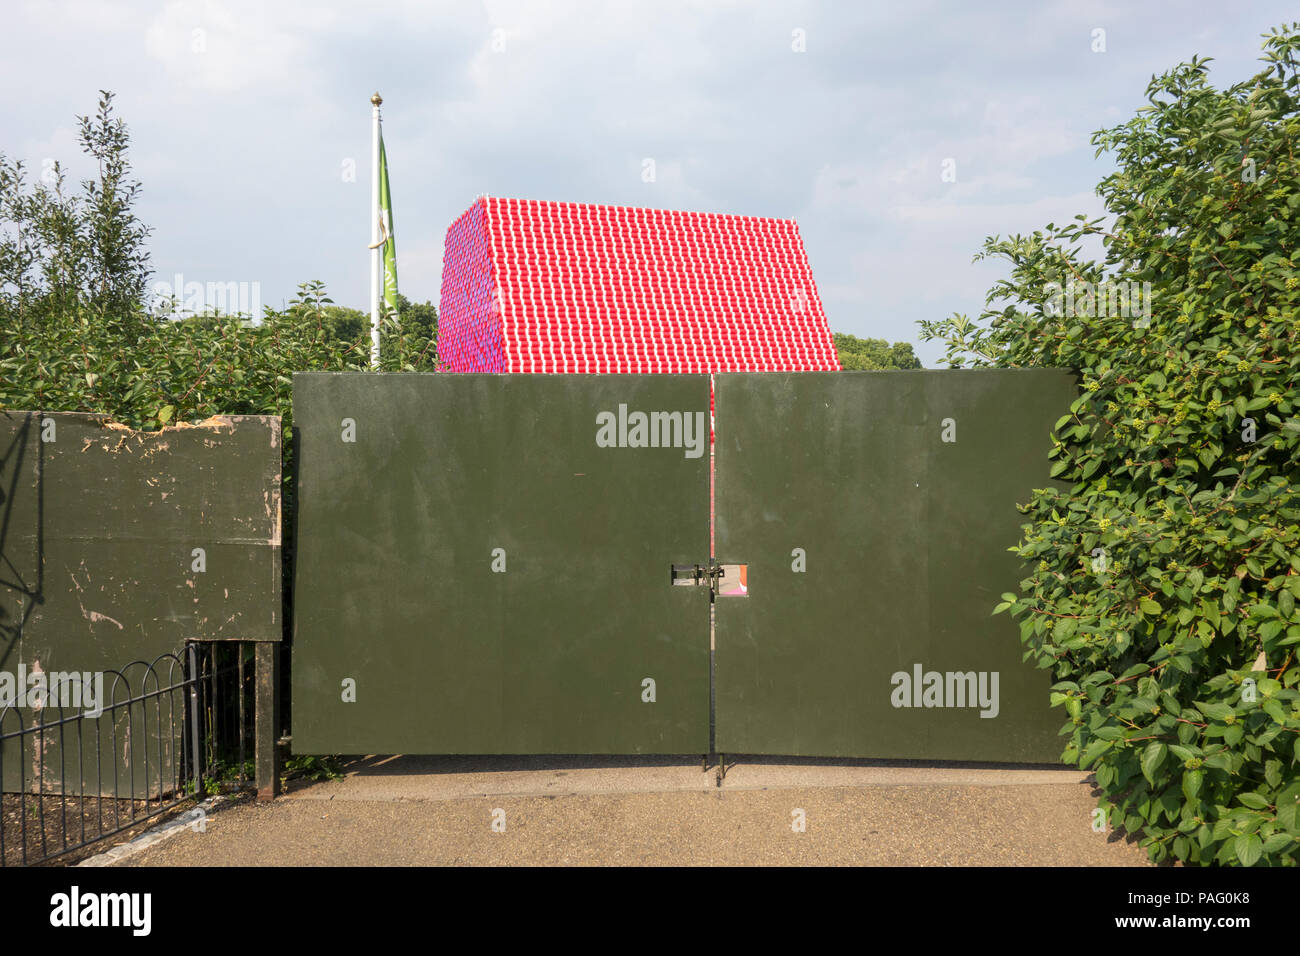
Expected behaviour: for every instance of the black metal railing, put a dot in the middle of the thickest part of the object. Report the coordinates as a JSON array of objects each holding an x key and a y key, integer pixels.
[{"x": 162, "y": 734}]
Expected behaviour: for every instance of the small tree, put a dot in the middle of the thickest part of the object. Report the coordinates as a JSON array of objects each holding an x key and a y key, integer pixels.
[
  {"x": 60, "y": 252},
  {"x": 113, "y": 240}
]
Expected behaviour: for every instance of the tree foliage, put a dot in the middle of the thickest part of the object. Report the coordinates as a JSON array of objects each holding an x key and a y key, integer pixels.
[
  {"x": 62, "y": 251},
  {"x": 1164, "y": 576},
  {"x": 420, "y": 320},
  {"x": 870, "y": 354},
  {"x": 76, "y": 335}
]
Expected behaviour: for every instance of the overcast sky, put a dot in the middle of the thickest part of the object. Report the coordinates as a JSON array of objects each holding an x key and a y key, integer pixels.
[{"x": 247, "y": 117}]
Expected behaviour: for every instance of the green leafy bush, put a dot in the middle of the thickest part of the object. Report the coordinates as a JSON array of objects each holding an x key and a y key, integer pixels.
[{"x": 1164, "y": 580}]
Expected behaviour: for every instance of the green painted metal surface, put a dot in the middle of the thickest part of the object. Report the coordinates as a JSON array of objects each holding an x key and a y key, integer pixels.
[
  {"x": 904, "y": 539},
  {"x": 100, "y": 533},
  {"x": 483, "y": 577}
]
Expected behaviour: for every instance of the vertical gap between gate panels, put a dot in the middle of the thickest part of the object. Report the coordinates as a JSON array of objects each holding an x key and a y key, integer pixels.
[{"x": 713, "y": 591}]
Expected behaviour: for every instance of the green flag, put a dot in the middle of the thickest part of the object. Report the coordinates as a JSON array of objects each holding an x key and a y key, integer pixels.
[{"x": 386, "y": 232}]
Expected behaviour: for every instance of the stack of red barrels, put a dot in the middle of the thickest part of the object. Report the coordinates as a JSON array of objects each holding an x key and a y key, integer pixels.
[{"x": 530, "y": 286}]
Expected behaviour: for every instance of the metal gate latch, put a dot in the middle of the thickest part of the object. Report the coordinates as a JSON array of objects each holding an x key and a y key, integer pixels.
[
  {"x": 694, "y": 574},
  {"x": 724, "y": 579}
]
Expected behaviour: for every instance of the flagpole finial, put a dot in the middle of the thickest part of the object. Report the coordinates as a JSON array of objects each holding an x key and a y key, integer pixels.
[{"x": 376, "y": 99}]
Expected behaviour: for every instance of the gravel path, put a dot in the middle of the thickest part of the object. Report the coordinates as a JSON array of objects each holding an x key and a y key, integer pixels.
[{"x": 659, "y": 811}]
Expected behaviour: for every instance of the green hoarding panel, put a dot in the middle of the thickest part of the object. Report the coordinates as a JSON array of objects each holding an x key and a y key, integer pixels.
[
  {"x": 118, "y": 546},
  {"x": 484, "y": 564},
  {"x": 874, "y": 511}
]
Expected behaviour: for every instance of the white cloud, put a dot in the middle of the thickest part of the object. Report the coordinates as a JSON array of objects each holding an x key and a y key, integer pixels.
[{"x": 230, "y": 47}]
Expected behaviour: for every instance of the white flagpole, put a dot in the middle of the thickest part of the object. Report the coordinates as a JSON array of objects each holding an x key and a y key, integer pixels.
[{"x": 376, "y": 250}]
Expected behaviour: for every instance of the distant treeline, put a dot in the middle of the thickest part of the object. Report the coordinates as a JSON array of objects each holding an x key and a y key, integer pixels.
[{"x": 866, "y": 355}]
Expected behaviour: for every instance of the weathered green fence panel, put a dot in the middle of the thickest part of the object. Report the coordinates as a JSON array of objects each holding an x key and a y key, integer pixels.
[
  {"x": 119, "y": 546},
  {"x": 477, "y": 574},
  {"x": 876, "y": 549}
]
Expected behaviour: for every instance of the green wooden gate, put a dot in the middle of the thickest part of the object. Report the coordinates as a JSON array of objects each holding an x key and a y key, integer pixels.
[
  {"x": 485, "y": 563},
  {"x": 873, "y": 511}
]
